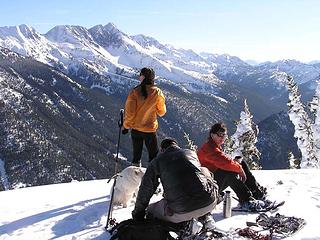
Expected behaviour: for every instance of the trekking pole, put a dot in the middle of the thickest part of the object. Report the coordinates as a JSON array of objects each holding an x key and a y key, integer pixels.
[
  {"x": 120, "y": 123},
  {"x": 110, "y": 221}
]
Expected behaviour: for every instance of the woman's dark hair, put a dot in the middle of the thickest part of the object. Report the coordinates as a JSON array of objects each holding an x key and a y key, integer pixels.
[
  {"x": 149, "y": 76},
  {"x": 218, "y": 127}
]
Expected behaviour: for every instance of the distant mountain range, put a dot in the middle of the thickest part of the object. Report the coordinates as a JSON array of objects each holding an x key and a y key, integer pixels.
[{"x": 63, "y": 91}]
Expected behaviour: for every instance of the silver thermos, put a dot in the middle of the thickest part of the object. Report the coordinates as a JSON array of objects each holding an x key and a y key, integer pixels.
[{"x": 227, "y": 204}]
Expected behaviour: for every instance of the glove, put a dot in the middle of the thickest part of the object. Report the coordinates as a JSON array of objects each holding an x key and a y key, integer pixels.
[
  {"x": 125, "y": 131},
  {"x": 138, "y": 216}
]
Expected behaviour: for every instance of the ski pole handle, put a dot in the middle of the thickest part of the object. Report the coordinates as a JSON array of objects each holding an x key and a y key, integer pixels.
[{"x": 120, "y": 122}]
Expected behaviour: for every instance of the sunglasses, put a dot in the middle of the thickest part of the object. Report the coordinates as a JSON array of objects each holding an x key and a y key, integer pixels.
[{"x": 221, "y": 134}]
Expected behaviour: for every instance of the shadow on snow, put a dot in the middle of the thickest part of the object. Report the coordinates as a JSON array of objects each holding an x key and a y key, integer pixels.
[{"x": 86, "y": 218}]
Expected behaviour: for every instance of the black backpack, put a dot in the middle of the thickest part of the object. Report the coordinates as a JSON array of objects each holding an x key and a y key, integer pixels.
[{"x": 148, "y": 229}]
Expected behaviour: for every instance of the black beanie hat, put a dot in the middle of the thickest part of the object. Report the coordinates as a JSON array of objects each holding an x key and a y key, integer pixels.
[{"x": 167, "y": 142}]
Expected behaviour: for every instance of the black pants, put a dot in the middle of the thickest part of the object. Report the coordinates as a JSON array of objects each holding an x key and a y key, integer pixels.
[
  {"x": 244, "y": 190},
  {"x": 151, "y": 142}
]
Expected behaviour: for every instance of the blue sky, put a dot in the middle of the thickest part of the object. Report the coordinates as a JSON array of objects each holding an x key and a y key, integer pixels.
[{"x": 250, "y": 29}]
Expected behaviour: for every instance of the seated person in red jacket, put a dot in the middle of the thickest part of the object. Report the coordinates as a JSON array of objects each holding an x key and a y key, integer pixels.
[{"x": 229, "y": 172}]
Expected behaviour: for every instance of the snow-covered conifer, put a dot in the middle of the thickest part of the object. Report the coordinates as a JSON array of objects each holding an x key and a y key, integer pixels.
[
  {"x": 228, "y": 146},
  {"x": 245, "y": 138},
  {"x": 302, "y": 124},
  {"x": 190, "y": 145},
  {"x": 315, "y": 110},
  {"x": 293, "y": 162}
]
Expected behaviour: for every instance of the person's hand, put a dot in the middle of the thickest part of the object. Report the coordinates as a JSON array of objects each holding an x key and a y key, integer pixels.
[
  {"x": 125, "y": 131},
  {"x": 243, "y": 176},
  {"x": 238, "y": 159}
]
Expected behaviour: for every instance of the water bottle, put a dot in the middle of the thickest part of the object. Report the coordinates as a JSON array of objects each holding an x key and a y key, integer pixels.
[{"x": 227, "y": 205}]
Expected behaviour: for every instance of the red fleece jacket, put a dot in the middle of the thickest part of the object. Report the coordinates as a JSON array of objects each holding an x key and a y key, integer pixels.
[{"x": 212, "y": 157}]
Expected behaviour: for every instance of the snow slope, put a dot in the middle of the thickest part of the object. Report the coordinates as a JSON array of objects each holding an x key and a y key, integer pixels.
[
  {"x": 78, "y": 210},
  {"x": 27, "y": 41}
]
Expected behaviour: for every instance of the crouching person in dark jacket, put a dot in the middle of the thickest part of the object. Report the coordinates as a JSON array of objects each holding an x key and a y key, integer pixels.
[{"x": 189, "y": 190}]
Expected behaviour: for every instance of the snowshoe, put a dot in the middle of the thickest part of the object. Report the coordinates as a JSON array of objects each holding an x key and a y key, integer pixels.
[
  {"x": 280, "y": 224},
  {"x": 258, "y": 206}
]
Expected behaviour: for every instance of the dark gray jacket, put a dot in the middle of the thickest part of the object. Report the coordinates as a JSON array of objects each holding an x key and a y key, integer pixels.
[{"x": 186, "y": 188}]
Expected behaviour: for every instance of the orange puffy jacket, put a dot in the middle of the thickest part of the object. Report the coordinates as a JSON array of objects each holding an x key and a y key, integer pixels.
[
  {"x": 212, "y": 157},
  {"x": 140, "y": 113}
]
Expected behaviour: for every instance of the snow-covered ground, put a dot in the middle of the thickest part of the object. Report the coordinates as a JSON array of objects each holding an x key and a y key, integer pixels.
[{"x": 78, "y": 210}]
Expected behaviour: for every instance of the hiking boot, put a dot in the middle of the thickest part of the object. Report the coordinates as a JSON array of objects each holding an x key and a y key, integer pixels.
[
  {"x": 259, "y": 195},
  {"x": 253, "y": 205},
  {"x": 267, "y": 202}
]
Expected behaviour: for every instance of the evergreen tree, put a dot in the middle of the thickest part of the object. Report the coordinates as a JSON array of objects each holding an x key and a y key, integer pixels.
[
  {"x": 315, "y": 110},
  {"x": 228, "y": 146},
  {"x": 301, "y": 121},
  {"x": 190, "y": 145},
  {"x": 293, "y": 162},
  {"x": 244, "y": 139}
]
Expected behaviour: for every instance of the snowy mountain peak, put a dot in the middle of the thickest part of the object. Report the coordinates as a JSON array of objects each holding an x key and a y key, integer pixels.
[
  {"x": 192, "y": 54},
  {"x": 302, "y": 72},
  {"x": 225, "y": 64},
  {"x": 27, "y": 41},
  {"x": 146, "y": 41},
  {"x": 108, "y": 35},
  {"x": 28, "y": 31},
  {"x": 223, "y": 59},
  {"x": 22, "y": 32},
  {"x": 68, "y": 33},
  {"x": 111, "y": 27},
  {"x": 283, "y": 63},
  {"x": 289, "y": 62},
  {"x": 57, "y": 30},
  {"x": 97, "y": 29}
]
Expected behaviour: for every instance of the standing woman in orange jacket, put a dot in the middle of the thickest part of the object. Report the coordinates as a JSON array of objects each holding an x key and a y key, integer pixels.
[{"x": 144, "y": 104}]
